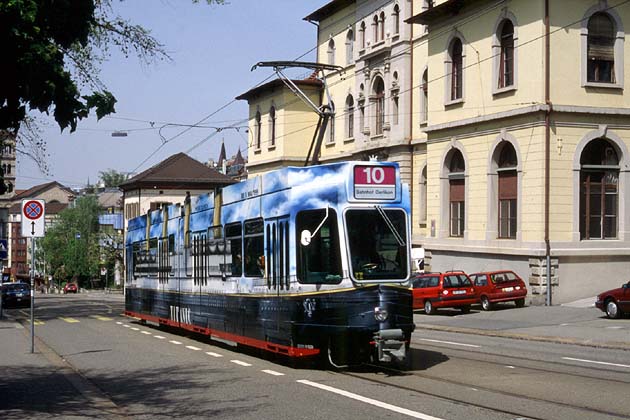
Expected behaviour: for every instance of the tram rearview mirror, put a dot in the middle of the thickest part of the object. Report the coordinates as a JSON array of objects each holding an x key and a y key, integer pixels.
[{"x": 305, "y": 237}]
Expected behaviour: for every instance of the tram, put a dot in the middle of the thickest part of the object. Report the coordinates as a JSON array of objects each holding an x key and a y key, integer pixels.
[{"x": 302, "y": 261}]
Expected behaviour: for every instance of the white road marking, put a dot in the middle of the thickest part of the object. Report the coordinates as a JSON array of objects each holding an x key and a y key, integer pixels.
[
  {"x": 614, "y": 328},
  {"x": 119, "y": 323},
  {"x": 377, "y": 403},
  {"x": 451, "y": 342},
  {"x": 126, "y": 326},
  {"x": 193, "y": 348},
  {"x": 238, "y": 362},
  {"x": 135, "y": 329},
  {"x": 145, "y": 332},
  {"x": 213, "y": 354},
  {"x": 596, "y": 362},
  {"x": 174, "y": 342},
  {"x": 273, "y": 372},
  {"x": 510, "y": 367},
  {"x": 159, "y": 337}
]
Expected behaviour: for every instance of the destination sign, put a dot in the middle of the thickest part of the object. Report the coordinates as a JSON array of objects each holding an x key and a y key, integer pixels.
[{"x": 374, "y": 182}]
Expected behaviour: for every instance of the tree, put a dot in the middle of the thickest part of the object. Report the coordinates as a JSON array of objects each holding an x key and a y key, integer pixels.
[
  {"x": 52, "y": 50},
  {"x": 71, "y": 245},
  {"x": 112, "y": 178}
]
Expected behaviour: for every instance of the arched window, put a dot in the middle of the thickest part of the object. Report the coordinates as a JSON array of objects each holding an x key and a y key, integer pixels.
[
  {"x": 258, "y": 129},
  {"x": 272, "y": 126},
  {"x": 379, "y": 110},
  {"x": 382, "y": 26},
  {"x": 396, "y": 20},
  {"x": 508, "y": 191},
  {"x": 375, "y": 29},
  {"x": 331, "y": 126},
  {"x": 455, "y": 69},
  {"x": 424, "y": 97},
  {"x": 349, "y": 117},
  {"x": 456, "y": 181},
  {"x": 349, "y": 46},
  {"x": 601, "y": 49},
  {"x": 599, "y": 191},
  {"x": 506, "y": 63},
  {"x": 331, "y": 52},
  {"x": 362, "y": 35},
  {"x": 423, "y": 195}
]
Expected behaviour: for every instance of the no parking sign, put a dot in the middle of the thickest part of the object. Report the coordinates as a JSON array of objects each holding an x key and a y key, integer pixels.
[{"x": 33, "y": 212}]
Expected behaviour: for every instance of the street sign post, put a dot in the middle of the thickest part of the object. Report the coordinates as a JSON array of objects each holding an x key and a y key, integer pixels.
[{"x": 33, "y": 224}]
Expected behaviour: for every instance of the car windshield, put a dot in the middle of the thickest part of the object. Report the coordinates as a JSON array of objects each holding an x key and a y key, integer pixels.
[
  {"x": 456, "y": 280},
  {"x": 378, "y": 244}
]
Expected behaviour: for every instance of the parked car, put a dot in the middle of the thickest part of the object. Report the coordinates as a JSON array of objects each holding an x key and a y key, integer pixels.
[
  {"x": 452, "y": 289},
  {"x": 70, "y": 288},
  {"x": 499, "y": 286},
  {"x": 15, "y": 295},
  {"x": 615, "y": 302}
]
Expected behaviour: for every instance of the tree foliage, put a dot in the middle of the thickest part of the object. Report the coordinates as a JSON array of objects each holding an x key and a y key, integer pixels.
[
  {"x": 112, "y": 178},
  {"x": 71, "y": 245},
  {"x": 51, "y": 49}
]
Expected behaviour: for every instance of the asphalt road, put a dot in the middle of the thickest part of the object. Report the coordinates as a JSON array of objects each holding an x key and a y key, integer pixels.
[{"x": 93, "y": 362}]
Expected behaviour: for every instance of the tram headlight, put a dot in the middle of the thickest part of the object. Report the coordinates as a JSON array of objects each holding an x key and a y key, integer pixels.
[{"x": 380, "y": 314}]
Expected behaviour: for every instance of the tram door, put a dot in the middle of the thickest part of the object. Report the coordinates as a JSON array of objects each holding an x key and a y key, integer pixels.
[{"x": 277, "y": 260}]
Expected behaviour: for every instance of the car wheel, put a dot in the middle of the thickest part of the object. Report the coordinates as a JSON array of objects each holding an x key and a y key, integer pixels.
[
  {"x": 485, "y": 303},
  {"x": 520, "y": 303},
  {"x": 612, "y": 310},
  {"x": 428, "y": 307}
]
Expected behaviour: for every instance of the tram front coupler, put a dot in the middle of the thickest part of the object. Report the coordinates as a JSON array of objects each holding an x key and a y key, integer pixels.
[{"x": 391, "y": 346}]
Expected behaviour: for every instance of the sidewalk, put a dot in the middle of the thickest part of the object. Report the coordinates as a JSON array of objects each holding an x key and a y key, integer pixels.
[
  {"x": 576, "y": 323},
  {"x": 41, "y": 385}
]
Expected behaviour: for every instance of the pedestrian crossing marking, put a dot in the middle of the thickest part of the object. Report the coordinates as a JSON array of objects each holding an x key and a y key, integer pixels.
[
  {"x": 101, "y": 318},
  {"x": 69, "y": 320}
]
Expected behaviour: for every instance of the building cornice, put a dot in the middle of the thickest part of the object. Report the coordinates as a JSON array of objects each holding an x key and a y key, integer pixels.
[{"x": 487, "y": 118}]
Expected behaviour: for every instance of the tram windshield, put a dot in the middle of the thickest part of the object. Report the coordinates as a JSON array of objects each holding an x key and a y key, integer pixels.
[{"x": 378, "y": 244}]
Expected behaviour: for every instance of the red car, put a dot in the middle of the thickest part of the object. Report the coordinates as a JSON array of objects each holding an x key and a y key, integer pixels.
[
  {"x": 70, "y": 288},
  {"x": 615, "y": 302},
  {"x": 499, "y": 286},
  {"x": 452, "y": 289}
]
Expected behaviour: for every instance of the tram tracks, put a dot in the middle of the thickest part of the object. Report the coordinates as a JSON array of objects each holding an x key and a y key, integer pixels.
[{"x": 474, "y": 394}]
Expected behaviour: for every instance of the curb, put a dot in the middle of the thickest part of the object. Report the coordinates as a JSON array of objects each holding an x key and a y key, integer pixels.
[{"x": 615, "y": 345}]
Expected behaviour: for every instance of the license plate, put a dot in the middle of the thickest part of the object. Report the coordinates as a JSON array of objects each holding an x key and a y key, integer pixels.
[
  {"x": 459, "y": 292},
  {"x": 20, "y": 295},
  {"x": 508, "y": 289}
]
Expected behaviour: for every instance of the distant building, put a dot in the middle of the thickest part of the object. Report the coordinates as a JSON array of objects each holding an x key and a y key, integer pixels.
[
  {"x": 235, "y": 167},
  {"x": 167, "y": 183},
  {"x": 57, "y": 198}
]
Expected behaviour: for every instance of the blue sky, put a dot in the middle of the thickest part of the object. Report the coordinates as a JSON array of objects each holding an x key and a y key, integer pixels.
[{"x": 213, "y": 49}]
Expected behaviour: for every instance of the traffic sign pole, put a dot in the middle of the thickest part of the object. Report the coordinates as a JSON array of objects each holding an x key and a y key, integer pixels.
[
  {"x": 33, "y": 226},
  {"x": 33, "y": 295}
]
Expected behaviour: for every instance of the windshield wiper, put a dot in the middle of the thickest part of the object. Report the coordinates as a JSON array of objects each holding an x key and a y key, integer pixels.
[{"x": 390, "y": 225}]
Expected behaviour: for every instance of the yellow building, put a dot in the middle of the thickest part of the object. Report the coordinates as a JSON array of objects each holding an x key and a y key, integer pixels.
[{"x": 509, "y": 121}]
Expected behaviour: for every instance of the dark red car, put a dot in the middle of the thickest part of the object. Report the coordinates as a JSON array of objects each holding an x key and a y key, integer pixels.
[
  {"x": 70, "y": 288},
  {"x": 499, "y": 286},
  {"x": 452, "y": 289},
  {"x": 615, "y": 302}
]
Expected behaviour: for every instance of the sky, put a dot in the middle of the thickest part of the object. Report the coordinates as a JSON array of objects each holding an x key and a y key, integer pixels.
[{"x": 213, "y": 48}]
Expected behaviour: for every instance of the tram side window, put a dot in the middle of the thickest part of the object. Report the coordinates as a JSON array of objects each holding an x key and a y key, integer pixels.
[
  {"x": 254, "y": 248},
  {"x": 234, "y": 249},
  {"x": 320, "y": 260},
  {"x": 153, "y": 256}
]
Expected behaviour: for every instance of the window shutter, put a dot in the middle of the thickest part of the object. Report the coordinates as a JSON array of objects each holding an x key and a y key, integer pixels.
[
  {"x": 507, "y": 186},
  {"x": 456, "y": 190}
]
